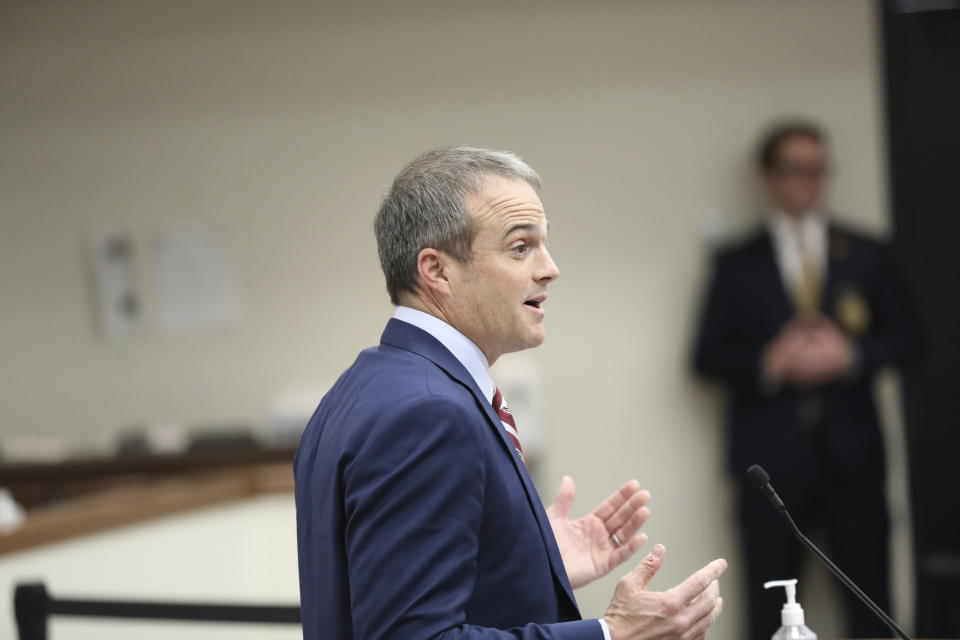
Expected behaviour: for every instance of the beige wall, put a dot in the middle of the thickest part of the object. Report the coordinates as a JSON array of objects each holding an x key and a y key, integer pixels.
[{"x": 278, "y": 125}]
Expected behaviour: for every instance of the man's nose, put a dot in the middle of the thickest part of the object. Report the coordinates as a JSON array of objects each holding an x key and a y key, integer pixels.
[{"x": 548, "y": 270}]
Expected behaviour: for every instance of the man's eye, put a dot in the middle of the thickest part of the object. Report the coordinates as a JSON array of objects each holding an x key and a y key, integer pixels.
[{"x": 521, "y": 249}]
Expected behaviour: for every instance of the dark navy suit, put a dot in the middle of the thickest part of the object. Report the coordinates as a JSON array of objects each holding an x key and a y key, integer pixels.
[
  {"x": 416, "y": 519},
  {"x": 823, "y": 446}
]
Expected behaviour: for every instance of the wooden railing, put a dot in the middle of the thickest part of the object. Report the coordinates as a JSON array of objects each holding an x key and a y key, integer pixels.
[
  {"x": 143, "y": 500},
  {"x": 41, "y": 484}
]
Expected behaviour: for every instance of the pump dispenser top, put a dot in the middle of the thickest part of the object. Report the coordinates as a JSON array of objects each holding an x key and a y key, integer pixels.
[{"x": 792, "y": 614}]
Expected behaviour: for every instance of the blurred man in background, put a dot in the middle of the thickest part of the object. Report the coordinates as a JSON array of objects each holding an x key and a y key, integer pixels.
[{"x": 797, "y": 320}]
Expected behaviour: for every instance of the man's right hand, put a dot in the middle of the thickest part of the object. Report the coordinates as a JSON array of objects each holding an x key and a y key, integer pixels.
[
  {"x": 779, "y": 355},
  {"x": 684, "y": 612}
]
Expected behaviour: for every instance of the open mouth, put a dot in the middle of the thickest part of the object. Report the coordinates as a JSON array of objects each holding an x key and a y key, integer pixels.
[{"x": 536, "y": 302}]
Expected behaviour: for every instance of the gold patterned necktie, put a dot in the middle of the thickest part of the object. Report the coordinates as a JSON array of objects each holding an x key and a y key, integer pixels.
[{"x": 808, "y": 293}]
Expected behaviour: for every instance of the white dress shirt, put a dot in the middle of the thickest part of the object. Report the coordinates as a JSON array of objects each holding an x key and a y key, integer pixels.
[
  {"x": 469, "y": 355},
  {"x": 789, "y": 233}
]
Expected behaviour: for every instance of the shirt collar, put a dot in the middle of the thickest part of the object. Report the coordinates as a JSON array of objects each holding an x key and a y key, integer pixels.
[
  {"x": 813, "y": 221},
  {"x": 462, "y": 348}
]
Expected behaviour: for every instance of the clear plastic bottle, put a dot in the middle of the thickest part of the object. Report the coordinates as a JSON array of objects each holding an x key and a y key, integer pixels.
[{"x": 791, "y": 616}]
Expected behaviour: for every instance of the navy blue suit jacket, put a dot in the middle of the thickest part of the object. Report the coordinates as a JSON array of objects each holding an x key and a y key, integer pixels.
[
  {"x": 747, "y": 304},
  {"x": 415, "y": 517}
]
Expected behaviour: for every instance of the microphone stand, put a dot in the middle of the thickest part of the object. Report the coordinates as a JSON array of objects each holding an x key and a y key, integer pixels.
[{"x": 842, "y": 576}]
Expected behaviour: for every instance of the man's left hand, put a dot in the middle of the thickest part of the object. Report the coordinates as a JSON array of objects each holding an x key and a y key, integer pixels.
[{"x": 587, "y": 545}]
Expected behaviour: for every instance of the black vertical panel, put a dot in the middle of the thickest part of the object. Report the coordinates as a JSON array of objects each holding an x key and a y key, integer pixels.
[{"x": 922, "y": 73}]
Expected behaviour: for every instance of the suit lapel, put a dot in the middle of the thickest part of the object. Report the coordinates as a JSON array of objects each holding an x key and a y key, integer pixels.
[
  {"x": 533, "y": 498},
  {"x": 406, "y": 336},
  {"x": 772, "y": 278},
  {"x": 838, "y": 249}
]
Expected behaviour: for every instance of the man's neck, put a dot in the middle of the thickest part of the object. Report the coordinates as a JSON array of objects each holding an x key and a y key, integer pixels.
[
  {"x": 797, "y": 215},
  {"x": 435, "y": 310},
  {"x": 420, "y": 305}
]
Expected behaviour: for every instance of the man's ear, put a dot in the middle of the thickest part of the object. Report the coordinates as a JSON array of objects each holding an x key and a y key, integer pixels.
[{"x": 432, "y": 266}]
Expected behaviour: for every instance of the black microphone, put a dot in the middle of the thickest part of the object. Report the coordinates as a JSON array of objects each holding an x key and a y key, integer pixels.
[{"x": 761, "y": 481}]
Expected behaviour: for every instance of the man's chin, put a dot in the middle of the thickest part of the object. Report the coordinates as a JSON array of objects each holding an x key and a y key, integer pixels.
[
  {"x": 536, "y": 338},
  {"x": 528, "y": 342}
]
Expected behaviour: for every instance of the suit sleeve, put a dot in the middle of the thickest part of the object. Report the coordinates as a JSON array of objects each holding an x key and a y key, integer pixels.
[
  {"x": 722, "y": 350},
  {"x": 892, "y": 338},
  {"x": 413, "y": 498}
]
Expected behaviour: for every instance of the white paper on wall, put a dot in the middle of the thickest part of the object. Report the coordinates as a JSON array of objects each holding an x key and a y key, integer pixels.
[{"x": 195, "y": 282}]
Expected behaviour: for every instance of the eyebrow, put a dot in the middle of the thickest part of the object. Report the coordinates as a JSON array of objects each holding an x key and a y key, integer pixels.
[{"x": 523, "y": 226}]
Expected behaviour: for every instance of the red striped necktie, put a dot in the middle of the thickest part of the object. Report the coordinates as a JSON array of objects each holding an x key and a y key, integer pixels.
[{"x": 500, "y": 406}]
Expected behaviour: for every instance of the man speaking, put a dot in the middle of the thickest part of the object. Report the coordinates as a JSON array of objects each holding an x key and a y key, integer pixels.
[{"x": 416, "y": 517}]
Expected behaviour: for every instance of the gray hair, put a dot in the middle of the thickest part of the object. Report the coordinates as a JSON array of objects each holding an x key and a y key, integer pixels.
[{"x": 426, "y": 207}]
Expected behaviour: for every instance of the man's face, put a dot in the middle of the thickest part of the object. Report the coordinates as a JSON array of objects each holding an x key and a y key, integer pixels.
[
  {"x": 497, "y": 298},
  {"x": 797, "y": 182}
]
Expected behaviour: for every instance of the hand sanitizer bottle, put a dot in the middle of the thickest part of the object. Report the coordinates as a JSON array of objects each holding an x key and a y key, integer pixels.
[{"x": 791, "y": 616}]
